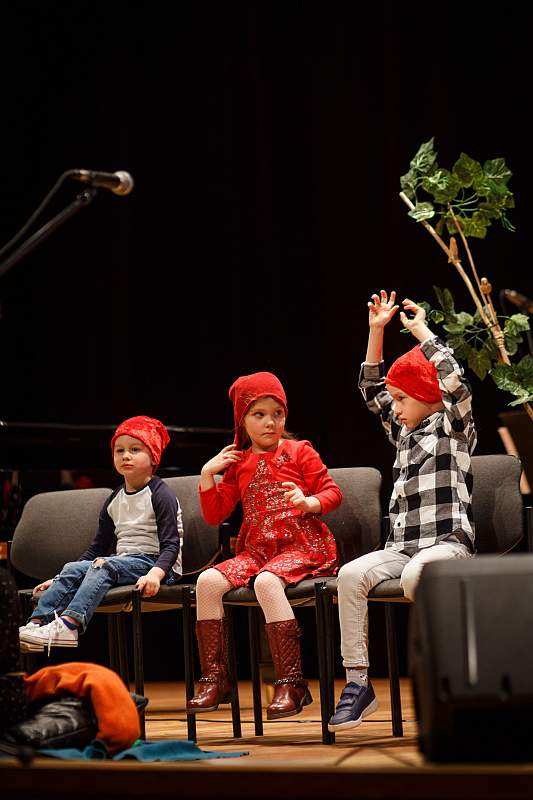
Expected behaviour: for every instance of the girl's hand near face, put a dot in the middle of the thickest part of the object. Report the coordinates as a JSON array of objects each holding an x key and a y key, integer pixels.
[
  {"x": 296, "y": 498},
  {"x": 228, "y": 455}
]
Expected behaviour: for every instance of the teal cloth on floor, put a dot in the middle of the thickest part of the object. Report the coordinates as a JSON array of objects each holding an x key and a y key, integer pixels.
[{"x": 167, "y": 750}]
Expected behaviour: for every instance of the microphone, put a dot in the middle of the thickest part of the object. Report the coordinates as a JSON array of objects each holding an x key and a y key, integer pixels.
[{"x": 118, "y": 182}]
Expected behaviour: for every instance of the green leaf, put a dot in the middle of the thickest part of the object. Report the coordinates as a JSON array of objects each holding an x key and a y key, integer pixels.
[
  {"x": 517, "y": 323},
  {"x": 511, "y": 344},
  {"x": 479, "y": 362},
  {"x": 454, "y": 328},
  {"x": 452, "y": 227},
  {"x": 528, "y": 398},
  {"x": 436, "y": 316},
  {"x": 515, "y": 378},
  {"x": 477, "y": 225},
  {"x": 408, "y": 184},
  {"x": 466, "y": 169},
  {"x": 465, "y": 319},
  {"x": 446, "y": 302},
  {"x": 460, "y": 348},
  {"x": 424, "y": 159},
  {"x": 442, "y": 185},
  {"x": 422, "y": 211},
  {"x": 497, "y": 169}
]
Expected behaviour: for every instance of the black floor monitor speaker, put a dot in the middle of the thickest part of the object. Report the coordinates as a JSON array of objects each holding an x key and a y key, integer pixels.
[{"x": 471, "y": 658}]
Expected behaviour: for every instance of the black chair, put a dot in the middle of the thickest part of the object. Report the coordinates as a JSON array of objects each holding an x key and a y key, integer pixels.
[
  {"x": 356, "y": 525},
  {"x": 500, "y": 526},
  {"x": 55, "y": 527}
]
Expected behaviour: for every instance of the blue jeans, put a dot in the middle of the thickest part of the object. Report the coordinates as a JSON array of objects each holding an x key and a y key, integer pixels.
[{"x": 80, "y": 586}]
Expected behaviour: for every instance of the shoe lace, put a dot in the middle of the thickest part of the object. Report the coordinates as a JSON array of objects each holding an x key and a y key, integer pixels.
[{"x": 56, "y": 626}]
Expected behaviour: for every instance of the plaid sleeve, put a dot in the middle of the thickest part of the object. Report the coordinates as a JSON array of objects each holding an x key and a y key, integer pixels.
[
  {"x": 377, "y": 398},
  {"x": 455, "y": 389}
]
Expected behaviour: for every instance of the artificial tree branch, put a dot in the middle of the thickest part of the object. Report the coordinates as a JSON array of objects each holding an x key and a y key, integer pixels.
[
  {"x": 465, "y": 243},
  {"x": 453, "y": 259}
]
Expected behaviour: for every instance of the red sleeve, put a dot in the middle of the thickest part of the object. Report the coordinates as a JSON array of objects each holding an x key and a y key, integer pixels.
[
  {"x": 218, "y": 502},
  {"x": 317, "y": 478}
]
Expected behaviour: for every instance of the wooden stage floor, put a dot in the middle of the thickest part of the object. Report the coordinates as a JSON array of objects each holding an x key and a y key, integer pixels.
[{"x": 289, "y": 761}]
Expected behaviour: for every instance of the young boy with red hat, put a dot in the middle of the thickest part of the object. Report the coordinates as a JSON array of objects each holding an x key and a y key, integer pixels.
[
  {"x": 425, "y": 408},
  {"x": 137, "y": 541},
  {"x": 284, "y": 487}
]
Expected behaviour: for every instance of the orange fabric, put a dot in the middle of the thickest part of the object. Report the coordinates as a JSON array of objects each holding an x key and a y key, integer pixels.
[{"x": 118, "y": 721}]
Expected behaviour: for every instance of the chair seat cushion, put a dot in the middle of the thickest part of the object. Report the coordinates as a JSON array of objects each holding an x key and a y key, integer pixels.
[
  {"x": 388, "y": 590},
  {"x": 299, "y": 594}
]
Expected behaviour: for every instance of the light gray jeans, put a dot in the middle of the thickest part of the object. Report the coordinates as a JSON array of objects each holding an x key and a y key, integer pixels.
[{"x": 358, "y": 577}]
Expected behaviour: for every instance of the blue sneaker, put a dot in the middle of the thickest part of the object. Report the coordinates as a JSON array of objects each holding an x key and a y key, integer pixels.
[{"x": 355, "y": 703}]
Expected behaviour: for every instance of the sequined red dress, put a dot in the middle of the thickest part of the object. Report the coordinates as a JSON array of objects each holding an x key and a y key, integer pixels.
[{"x": 275, "y": 536}]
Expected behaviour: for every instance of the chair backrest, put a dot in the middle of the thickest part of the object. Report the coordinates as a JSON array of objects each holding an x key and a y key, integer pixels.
[
  {"x": 497, "y": 503},
  {"x": 200, "y": 540},
  {"x": 356, "y": 524},
  {"x": 55, "y": 527}
]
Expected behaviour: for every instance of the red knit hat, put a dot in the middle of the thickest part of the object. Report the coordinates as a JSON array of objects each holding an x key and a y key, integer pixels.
[
  {"x": 416, "y": 376},
  {"x": 249, "y": 388},
  {"x": 149, "y": 431}
]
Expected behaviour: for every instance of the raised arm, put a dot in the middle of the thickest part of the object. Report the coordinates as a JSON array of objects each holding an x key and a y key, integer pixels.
[
  {"x": 371, "y": 378},
  {"x": 455, "y": 389}
]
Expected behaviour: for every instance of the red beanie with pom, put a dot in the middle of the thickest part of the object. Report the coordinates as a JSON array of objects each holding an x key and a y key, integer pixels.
[
  {"x": 416, "y": 376},
  {"x": 249, "y": 388},
  {"x": 149, "y": 431}
]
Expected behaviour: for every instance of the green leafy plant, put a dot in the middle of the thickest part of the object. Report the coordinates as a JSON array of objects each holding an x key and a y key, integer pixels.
[
  {"x": 465, "y": 201},
  {"x": 472, "y": 342},
  {"x": 477, "y": 195}
]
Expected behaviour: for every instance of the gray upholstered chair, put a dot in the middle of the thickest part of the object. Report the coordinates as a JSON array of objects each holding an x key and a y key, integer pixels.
[
  {"x": 55, "y": 527},
  {"x": 500, "y": 526},
  {"x": 356, "y": 526}
]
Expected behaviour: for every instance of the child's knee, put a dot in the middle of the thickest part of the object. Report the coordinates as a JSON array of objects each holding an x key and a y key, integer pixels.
[
  {"x": 268, "y": 583},
  {"x": 209, "y": 581},
  {"x": 350, "y": 575},
  {"x": 409, "y": 581}
]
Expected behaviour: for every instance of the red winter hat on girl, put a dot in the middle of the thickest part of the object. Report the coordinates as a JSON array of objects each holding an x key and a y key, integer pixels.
[
  {"x": 249, "y": 388},
  {"x": 416, "y": 376},
  {"x": 150, "y": 431}
]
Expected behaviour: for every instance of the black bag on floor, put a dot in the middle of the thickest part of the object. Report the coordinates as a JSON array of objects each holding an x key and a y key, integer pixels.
[{"x": 471, "y": 658}]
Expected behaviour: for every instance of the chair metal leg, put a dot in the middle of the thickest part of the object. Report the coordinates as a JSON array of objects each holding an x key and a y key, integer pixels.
[
  {"x": 122, "y": 649},
  {"x": 112, "y": 642},
  {"x": 253, "y": 624},
  {"x": 394, "y": 674},
  {"x": 232, "y": 668},
  {"x": 138, "y": 662},
  {"x": 188, "y": 656},
  {"x": 324, "y": 675}
]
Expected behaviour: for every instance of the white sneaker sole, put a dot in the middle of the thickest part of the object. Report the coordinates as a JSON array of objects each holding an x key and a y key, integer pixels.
[
  {"x": 30, "y": 638},
  {"x": 26, "y": 647},
  {"x": 354, "y": 723}
]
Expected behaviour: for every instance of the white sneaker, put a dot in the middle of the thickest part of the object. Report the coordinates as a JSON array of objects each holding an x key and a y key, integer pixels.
[
  {"x": 25, "y": 647},
  {"x": 54, "y": 633}
]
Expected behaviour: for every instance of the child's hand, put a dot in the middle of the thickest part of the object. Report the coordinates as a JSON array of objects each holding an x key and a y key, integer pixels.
[
  {"x": 42, "y": 587},
  {"x": 297, "y": 498},
  {"x": 149, "y": 584},
  {"x": 227, "y": 456},
  {"x": 417, "y": 324},
  {"x": 381, "y": 310}
]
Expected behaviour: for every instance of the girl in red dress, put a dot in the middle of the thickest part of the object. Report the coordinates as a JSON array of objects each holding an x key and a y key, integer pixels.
[{"x": 284, "y": 487}]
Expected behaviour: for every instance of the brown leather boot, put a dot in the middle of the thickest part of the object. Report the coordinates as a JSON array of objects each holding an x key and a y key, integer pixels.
[
  {"x": 215, "y": 686},
  {"x": 290, "y": 690}
]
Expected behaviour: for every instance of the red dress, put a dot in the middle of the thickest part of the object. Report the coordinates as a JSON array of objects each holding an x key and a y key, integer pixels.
[{"x": 275, "y": 536}]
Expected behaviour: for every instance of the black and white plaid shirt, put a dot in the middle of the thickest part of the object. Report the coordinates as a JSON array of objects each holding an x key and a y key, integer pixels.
[{"x": 432, "y": 496}]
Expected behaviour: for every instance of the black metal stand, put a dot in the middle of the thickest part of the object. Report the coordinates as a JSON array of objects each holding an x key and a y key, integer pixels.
[{"x": 81, "y": 201}]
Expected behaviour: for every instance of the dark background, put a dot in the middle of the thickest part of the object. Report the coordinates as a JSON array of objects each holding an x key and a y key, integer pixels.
[{"x": 266, "y": 141}]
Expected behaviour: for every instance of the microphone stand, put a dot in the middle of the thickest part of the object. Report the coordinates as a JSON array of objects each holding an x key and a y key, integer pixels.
[{"x": 81, "y": 201}]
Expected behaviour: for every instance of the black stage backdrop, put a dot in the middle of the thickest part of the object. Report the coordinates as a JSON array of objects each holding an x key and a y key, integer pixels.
[{"x": 266, "y": 141}]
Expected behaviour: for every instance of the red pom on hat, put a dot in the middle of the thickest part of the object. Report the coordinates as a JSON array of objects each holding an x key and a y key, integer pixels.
[
  {"x": 249, "y": 388},
  {"x": 149, "y": 431},
  {"x": 416, "y": 376}
]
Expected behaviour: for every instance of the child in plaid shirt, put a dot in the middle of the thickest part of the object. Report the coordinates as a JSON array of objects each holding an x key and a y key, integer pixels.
[{"x": 425, "y": 408}]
